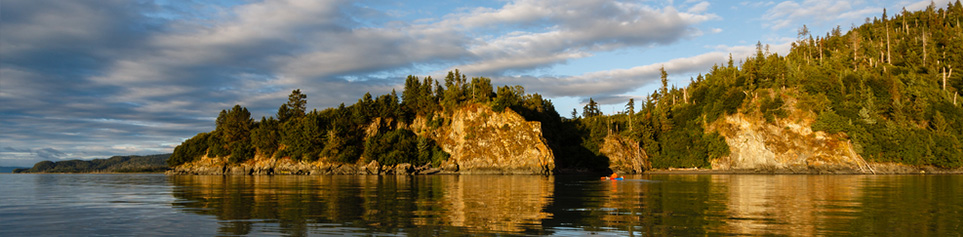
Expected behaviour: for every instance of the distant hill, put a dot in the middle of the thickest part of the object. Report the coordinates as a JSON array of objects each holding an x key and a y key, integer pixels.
[
  {"x": 6, "y": 169},
  {"x": 119, "y": 164}
]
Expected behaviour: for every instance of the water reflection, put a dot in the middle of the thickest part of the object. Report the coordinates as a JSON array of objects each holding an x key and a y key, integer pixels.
[
  {"x": 787, "y": 204},
  {"x": 834, "y": 205},
  {"x": 563, "y": 205},
  {"x": 499, "y": 203},
  {"x": 371, "y": 204},
  {"x": 640, "y": 205}
]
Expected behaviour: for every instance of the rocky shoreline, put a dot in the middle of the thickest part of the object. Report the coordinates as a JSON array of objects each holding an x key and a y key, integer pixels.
[
  {"x": 373, "y": 168},
  {"x": 289, "y": 167},
  {"x": 314, "y": 168},
  {"x": 870, "y": 169}
]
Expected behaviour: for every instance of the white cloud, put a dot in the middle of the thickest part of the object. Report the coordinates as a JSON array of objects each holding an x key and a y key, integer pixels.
[
  {"x": 563, "y": 30},
  {"x": 921, "y": 5},
  {"x": 296, "y": 43},
  {"x": 615, "y": 82},
  {"x": 253, "y": 33},
  {"x": 756, "y": 4},
  {"x": 700, "y": 7}
]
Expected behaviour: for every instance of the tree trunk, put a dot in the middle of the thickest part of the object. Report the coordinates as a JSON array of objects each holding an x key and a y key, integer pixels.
[
  {"x": 924, "y": 48},
  {"x": 889, "y": 59},
  {"x": 948, "y": 75},
  {"x": 820, "y": 52},
  {"x": 685, "y": 93}
]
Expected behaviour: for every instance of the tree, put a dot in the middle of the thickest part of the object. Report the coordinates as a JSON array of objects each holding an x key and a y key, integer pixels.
[
  {"x": 266, "y": 135},
  {"x": 189, "y": 150},
  {"x": 630, "y": 111},
  {"x": 507, "y": 97},
  {"x": 591, "y": 109},
  {"x": 481, "y": 89},
  {"x": 302, "y": 137},
  {"x": 940, "y": 125},
  {"x": 455, "y": 86},
  {"x": 296, "y": 106},
  {"x": 630, "y": 107},
  {"x": 664, "y": 90},
  {"x": 804, "y": 32},
  {"x": 394, "y": 147},
  {"x": 237, "y": 125},
  {"x": 235, "y": 131}
]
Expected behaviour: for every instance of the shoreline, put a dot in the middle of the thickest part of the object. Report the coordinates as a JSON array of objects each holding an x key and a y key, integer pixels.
[
  {"x": 874, "y": 169},
  {"x": 157, "y": 172},
  {"x": 649, "y": 172}
]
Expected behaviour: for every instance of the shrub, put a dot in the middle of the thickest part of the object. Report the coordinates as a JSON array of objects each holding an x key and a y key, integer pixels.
[
  {"x": 831, "y": 122},
  {"x": 190, "y": 150}
]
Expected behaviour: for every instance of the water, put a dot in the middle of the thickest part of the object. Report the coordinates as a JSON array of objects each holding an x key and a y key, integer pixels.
[{"x": 148, "y": 204}]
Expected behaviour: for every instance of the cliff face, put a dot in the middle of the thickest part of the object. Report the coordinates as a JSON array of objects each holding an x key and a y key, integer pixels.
[
  {"x": 785, "y": 145},
  {"x": 624, "y": 155},
  {"x": 483, "y": 141}
]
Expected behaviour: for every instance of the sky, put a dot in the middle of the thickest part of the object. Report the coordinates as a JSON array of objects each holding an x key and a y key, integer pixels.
[{"x": 85, "y": 79}]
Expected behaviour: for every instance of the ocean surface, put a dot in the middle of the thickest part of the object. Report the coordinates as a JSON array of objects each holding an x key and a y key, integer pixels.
[{"x": 675, "y": 205}]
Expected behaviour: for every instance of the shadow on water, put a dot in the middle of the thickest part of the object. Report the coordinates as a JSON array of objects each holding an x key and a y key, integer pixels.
[
  {"x": 300, "y": 205},
  {"x": 673, "y": 205},
  {"x": 576, "y": 205}
]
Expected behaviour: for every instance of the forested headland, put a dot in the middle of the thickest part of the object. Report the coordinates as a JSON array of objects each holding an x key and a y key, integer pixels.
[
  {"x": 116, "y": 164},
  {"x": 344, "y": 134},
  {"x": 886, "y": 91},
  {"x": 890, "y": 86}
]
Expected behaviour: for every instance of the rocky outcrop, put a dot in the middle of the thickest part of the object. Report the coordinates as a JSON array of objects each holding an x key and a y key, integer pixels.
[
  {"x": 787, "y": 145},
  {"x": 286, "y": 166},
  {"x": 624, "y": 155},
  {"x": 484, "y": 141},
  {"x": 478, "y": 139}
]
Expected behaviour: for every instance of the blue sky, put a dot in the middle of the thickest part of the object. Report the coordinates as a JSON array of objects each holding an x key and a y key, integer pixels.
[{"x": 91, "y": 79}]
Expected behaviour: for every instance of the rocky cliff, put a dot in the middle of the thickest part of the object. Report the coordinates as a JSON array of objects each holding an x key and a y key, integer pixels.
[
  {"x": 787, "y": 144},
  {"x": 484, "y": 141},
  {"x": 624, "y": 155},
  {"x": 478, "y": 139}
]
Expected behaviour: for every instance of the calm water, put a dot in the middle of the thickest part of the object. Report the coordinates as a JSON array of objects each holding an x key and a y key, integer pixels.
[{"x": 909, "y": 205}]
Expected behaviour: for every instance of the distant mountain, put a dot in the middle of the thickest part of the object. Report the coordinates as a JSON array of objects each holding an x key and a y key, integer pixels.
[{"x": 119, "y": 164}]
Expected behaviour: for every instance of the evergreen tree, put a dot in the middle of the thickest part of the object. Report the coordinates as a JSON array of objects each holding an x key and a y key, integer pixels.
[
  {"x": 591, "y": 109},
  {"x": 296, "y": 106},
  {"x": 266, "y": 135}
]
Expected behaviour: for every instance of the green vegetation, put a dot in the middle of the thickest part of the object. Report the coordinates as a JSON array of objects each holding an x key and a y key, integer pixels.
[
  {"x": 116, "y": 164},
  {"x": 403, "y": 146},
  {"x": 369, "y": 130},
  {"x": 669, "y": 124},
  {"x": 888, "y": 85}
]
